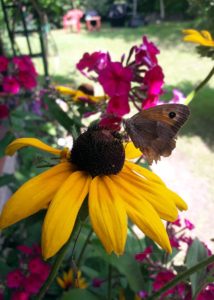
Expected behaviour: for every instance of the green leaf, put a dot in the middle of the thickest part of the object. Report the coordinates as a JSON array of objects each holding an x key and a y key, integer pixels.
[
  {"x": 196, "y": 253},
  {"x": 125, "y": 264},
  {"x": 128, "y": 266},
  {"x": 5, "y": 269},
  {"x": 78, "y": 294},
  {"x": 60, "y": 115},
  {"x": 6, "y": 179},
  {"x": 8, "y": 138}
]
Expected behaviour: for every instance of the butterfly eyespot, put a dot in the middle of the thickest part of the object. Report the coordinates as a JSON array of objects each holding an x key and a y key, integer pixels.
[{"x": 172, "y": 114}]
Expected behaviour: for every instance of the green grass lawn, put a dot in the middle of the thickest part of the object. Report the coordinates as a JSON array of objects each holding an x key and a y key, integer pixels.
[{"x": 182, "y": 66}]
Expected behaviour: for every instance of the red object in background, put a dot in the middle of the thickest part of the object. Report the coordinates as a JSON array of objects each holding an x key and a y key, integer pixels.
[
  {"x": 97, "y": 23},
  {"x": 72, "y": 19}
]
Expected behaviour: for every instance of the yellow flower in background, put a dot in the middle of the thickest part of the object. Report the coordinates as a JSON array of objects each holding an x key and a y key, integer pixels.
[
  {"x": 123, "y": 297},
  {"x": 99, "y": 167},
  {"x": 202, "y": 38},
  {"x": 71, "y": 279},
  {"x": 78, "y": 95}
]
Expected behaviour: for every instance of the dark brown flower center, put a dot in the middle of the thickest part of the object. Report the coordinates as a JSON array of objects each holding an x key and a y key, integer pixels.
[{"x": 98, "y": 151}]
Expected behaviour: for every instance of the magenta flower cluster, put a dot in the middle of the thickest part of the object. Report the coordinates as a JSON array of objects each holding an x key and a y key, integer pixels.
[
  {"x": 26, "y": 280},
  {"x": 17, "y": 74},
  {"x": 136, "y": 79},
  {"x": 139, "y": 78},
  {"x": 161, "y": 274}
]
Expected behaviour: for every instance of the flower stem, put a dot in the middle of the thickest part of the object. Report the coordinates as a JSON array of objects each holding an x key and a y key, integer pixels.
[
  {"x": 192, "y": 94},
  {"x": 57, "y": 264},
  {"x": 84, "y": 247},
  {"x": 182, "y": 276},
  {"x": 109, "y": 281}
]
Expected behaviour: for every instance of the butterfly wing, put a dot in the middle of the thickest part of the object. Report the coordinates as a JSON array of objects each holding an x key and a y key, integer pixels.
[{"x": 154, "y": 130}]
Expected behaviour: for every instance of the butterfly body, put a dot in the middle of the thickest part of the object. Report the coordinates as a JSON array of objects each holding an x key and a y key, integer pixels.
[{"x": 154, "y": 130}]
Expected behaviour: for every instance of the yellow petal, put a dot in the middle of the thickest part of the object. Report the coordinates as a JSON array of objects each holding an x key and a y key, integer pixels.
[
  {"x": 61, "y": 282},
  {"x": 70, "y": 275},
  {"x": 163, "y": 194},
  {"x": 140, "y": 189},
  {"x": 206, "y": 35},
  {"x": 191, "y": 31},
  {"x": 144, "y": 216},
  {"x": 131, "y": 151},
  {"x": 82, "y": 284},
  {"x": 107, "y": 214},
  {"x": 24, "y": 142},
  {"x": 65, "y": 90},
  {"x": 144, "y": 172},
  {"x": 34, "y": 195},
  {"x": 62, "y": 213}
]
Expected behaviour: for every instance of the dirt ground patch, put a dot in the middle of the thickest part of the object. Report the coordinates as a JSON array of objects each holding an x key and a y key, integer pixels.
[{"x": 191, "y": 178}]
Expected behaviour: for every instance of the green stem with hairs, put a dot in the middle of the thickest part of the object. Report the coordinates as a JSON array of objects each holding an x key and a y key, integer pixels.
[
  {"x": 182, "y": 276},
  {"x": 109, "y": 281},
  {"x": 57, "y": 263},
  {"x": 84, "y": 247},
  {"x": 192, "y": 94}
]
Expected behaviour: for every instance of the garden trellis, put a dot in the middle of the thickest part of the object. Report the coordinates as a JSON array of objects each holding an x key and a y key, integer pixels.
[{"x": 19, "y": 16}]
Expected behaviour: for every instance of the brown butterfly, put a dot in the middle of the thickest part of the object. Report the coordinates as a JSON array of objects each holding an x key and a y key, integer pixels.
[{"x": 154, "y": 130}]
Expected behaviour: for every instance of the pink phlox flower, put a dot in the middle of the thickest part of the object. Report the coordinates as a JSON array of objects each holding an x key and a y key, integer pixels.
[
  {"x": 116, "y": 82},
  {"x": 174, "y": 241},
  {"x": 153, "y": 81},
  {"x": 177, "y": 222},
  {"x": 93, "y": 62},
  {"x": 15, "y": 279},
  {"x": 141, "y": 256},
  {"x": 27, "y": 80},
  {"x": 186, "y": 239},
  {"x": 189, "y": 225},
  {"x": 20, "y": 295},
  {"x": 37, "y": 249},
  {"x": 207, "y": 293},
  {"x": 4, "y": 61},
  {"x": 115, "y": 79},
  {"x": 111, "y": 122},
  {"x": 25, "y": 64},
  {"x": 10, "y": 85},
  {"x": 37, "y": 266},
  {"x": 25, "y": 249},
  {"x": 178, "y": 97},
  {"x": 118, "y": 105},
  {"x": 146, "y": 53},
  {"x": 163, "y": 278},
  {"x": 4, "y": 111},
  {"x": 143, "y": 294},
  {"x": 97, "y": 282},
  {"x": 33, "y": 283}
]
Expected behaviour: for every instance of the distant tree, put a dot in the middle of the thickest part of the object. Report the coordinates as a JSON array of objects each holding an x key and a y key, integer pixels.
[
  {"x": 204, "y": 9},
  {"x": 162, "y": 9}
]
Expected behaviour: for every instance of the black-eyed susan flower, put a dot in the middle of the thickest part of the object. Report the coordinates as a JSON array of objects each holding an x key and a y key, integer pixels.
[
  {"x": 81, "y": 94},
  {"x": 71, "y": 279},
  {"x": 202, "y": 38},
  {"x": 97, "y": 169}
]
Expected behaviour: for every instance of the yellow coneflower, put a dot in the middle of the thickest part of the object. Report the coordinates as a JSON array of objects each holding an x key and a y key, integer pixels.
[
  {"x": 71, "y": 280},
  {"x": 79, "y": 95},
  {"x": 202, "y": 38},
  {"x": 123, "y": 297},
  {"x": 98, "y": 166}
]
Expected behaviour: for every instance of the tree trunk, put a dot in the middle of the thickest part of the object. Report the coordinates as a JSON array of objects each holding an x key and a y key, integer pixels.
[
  {"x": 134, "y": 10},
  {"x": 162, "y": 10}
]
